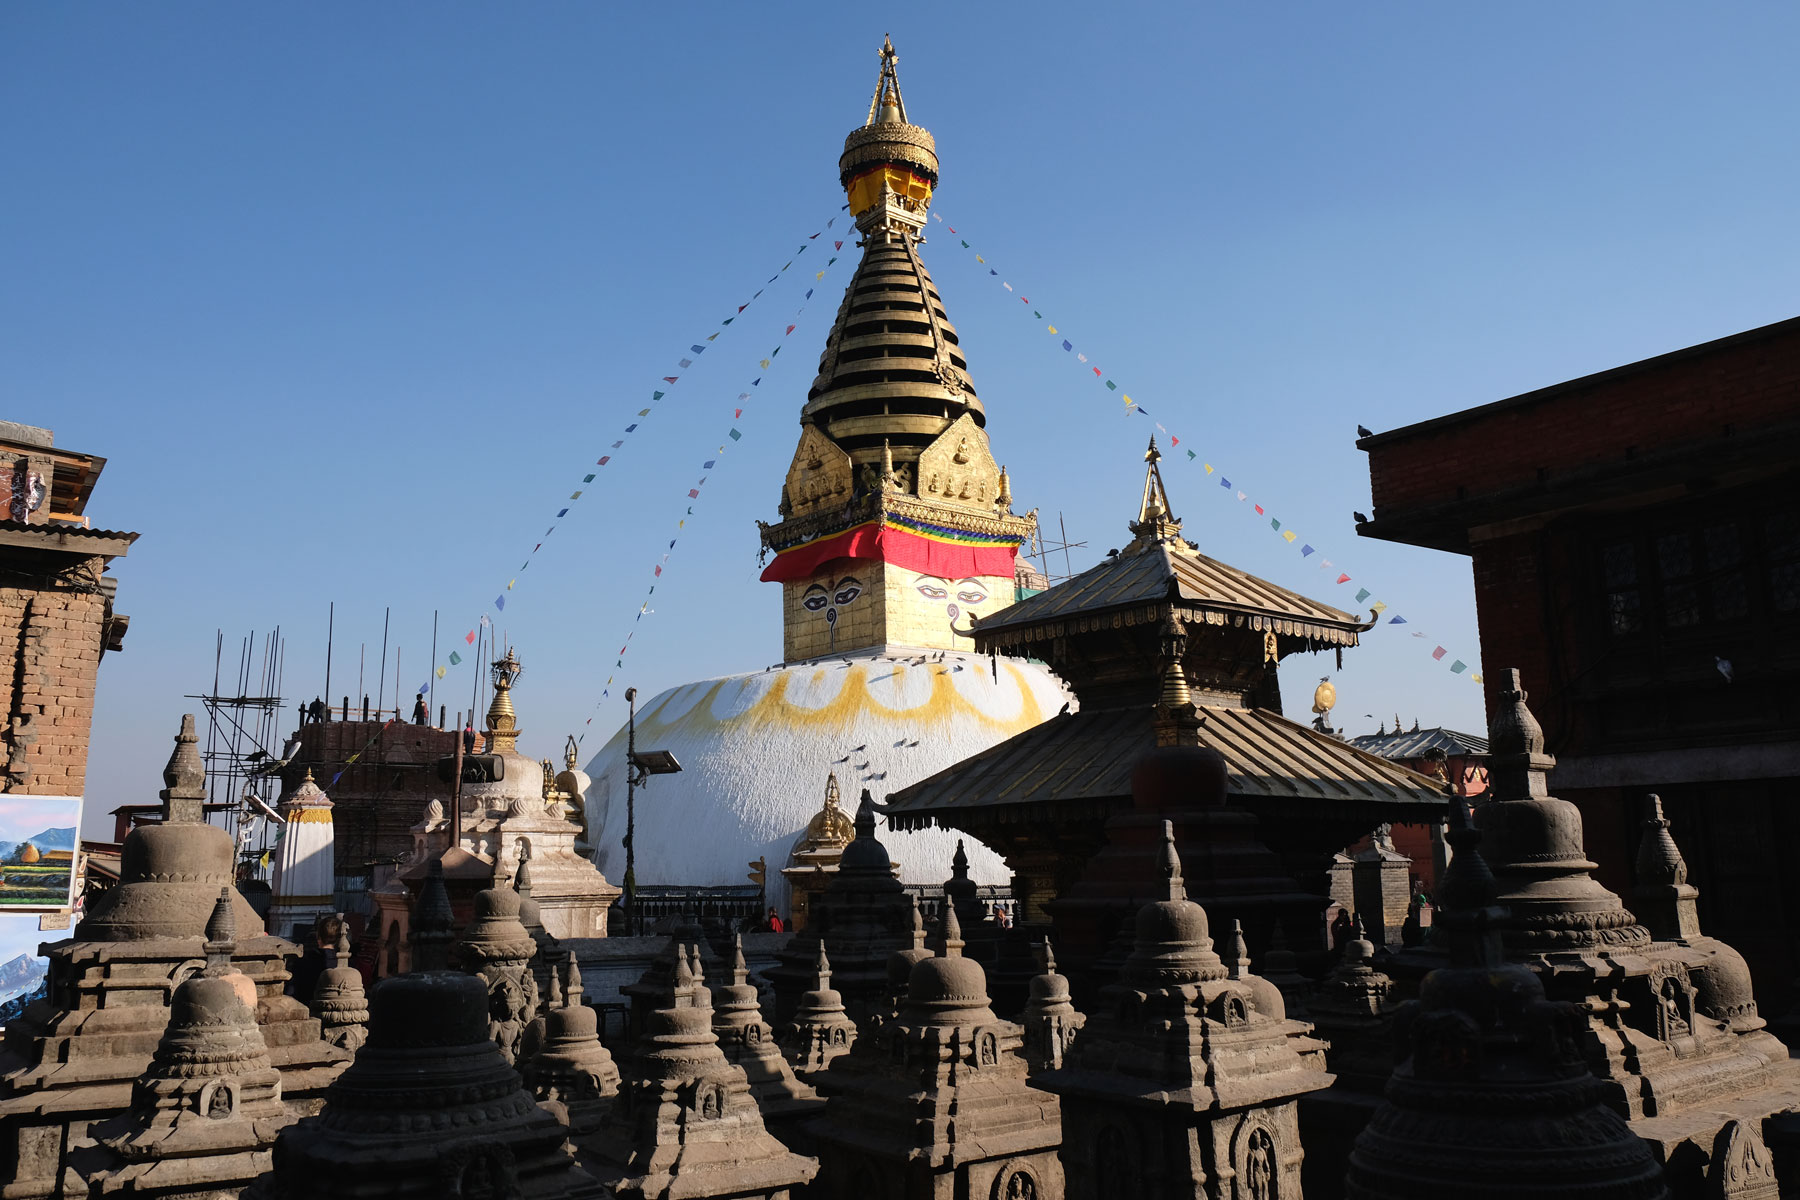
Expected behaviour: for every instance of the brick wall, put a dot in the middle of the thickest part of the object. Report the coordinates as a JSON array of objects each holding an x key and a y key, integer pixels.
[
  {"x": 1726, "y": 387},
  {"x": 51, "y": 625}
]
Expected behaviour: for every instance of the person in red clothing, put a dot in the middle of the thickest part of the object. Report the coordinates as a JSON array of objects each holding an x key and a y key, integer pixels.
[{"x": 774, "y": 925}]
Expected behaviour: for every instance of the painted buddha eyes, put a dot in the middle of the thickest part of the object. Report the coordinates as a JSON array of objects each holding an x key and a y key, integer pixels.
[
  {"x": 817, "y": 597},
  {"x": 969, "y": 591}
]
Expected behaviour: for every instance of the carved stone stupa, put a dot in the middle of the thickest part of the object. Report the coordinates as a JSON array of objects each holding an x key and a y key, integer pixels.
[
  {"x": 1493, "y": 1099},
  {"x": 570, "y": 1066},
  {"x": 429, "y": 1109},
  {"x": 935, "y": 1102},
  {"x": 74, "y": 1056},
  {"x": 205, "y": 1113},
  {"x": 497, "y": 948},
  {"x": 748, "y": 1042},
  {"x": 1050, "y": 1020},
  {"x": 1184, "y": 1080},
  {"x": 820, "y": 1031},
  {"x": 866, "y": 915},
  {"x": 686, "y": 1125},
  {"x": 338, "y": 1000},
  {"x": 1670, "y": 1021}
]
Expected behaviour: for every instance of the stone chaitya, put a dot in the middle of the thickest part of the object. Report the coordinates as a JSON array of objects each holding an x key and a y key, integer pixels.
[
  {"x": 74, "y": 1056},
  {"x": 1493, "y": 1098},
  {"x": 866, "y": 914},
  {"x": 570, "y": 1066},
  {"x": 1050, "y": 1020},
  {"x": 749, "y": 1042},
  {"x": 429, "y": 1109},
  {"x": 685, "y": 1124},
  {"x": 935, "y": 1102},
  {"x": 205, "y": 1113},
  {"x": 820, "y": 1030},
  {"x": 1352, "y": 1009},
  {"x": 902, "y": 961},
  {"x": 1670, "y": 1026},
  {"x": 338, "y": 1000},
  {"x": 1184, "y": 1080},
  {"x": 497, "y": 948}
]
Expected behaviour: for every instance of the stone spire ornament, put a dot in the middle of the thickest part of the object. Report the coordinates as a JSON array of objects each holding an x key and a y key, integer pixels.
[
  {"x": 433, "y": 924},
  {"x": 935, "y": 1102},
  {"x": 1663, "y": 894},
  {"x": 498, "y": 949},
  {"x": 429, "y": 1109},
  {"x": 820, "y": 1030},
  {"x": 869, "y": 917},
  {"x": 72, "y": 1059},
  {"x": 338, "y": 1000},
  {"x": 571, "y": 1067},
  {"x": 205, "y": 1113},
  {"x": 1494, "y": 1099},
  {"x": 749, "y": 1043},
  {"x": 1184, "y": 1079},
  {"x": 1050, "y": 1021},
  {"x": 687, "y": 1125},
  {"x": 902, "y": 961}
]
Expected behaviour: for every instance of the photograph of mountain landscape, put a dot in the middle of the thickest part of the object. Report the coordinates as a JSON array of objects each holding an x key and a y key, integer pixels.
[
  {"x": 21, "y": 970},
  {"x": 38, "y": 844}
]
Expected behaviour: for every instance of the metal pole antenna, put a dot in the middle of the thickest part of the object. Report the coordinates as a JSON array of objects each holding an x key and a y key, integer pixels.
[{"x": 631, "y": 780}]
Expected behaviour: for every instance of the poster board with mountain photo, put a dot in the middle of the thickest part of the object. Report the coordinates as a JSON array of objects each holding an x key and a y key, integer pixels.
[
  {"x": 22, "y": 968},
  {"x": 40, "y": 840}
]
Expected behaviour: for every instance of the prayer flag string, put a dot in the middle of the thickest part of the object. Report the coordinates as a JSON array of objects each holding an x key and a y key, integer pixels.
[
  {"x": 733, "y": 434},
  {"x": 609, "y": 453},
  {"x": 1307, "y": 549}
]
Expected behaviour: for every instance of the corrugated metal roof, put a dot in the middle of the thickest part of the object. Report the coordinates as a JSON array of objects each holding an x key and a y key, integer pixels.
[
  {"x": 1139, "y": 575},
  {"x": 1087, "y": 757},
  {"x": 1414, "y": 743}
]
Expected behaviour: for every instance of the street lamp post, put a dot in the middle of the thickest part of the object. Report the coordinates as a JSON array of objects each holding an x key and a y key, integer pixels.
[{"x": 638, "y": 769}]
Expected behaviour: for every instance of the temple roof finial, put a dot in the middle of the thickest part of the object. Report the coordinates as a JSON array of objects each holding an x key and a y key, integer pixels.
[
  {"x": 887, "y": 86},
  {"x": 1155, "y": 524}
]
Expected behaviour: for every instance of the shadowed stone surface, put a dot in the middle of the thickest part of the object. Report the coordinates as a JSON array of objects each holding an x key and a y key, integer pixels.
[
  {"x": 1493, "y": 1099},
  {"x": 935, "y": 1102},
  {"x": 572, "y": 1068},
  {"x": 430, "y": 1108},
  {"x": 686, "y": 1126},
  {"x": 1183, "y": 1081},
  {"x": 74, "y": 1057}
]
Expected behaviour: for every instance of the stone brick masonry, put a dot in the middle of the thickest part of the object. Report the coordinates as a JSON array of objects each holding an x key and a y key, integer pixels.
[{"x": 52, "y": 625}]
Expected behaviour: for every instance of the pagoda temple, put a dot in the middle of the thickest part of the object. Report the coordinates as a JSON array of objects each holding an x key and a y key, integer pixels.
[
  {"x": 1044, "y": 797},
  {"x": 895, "y": 530}
]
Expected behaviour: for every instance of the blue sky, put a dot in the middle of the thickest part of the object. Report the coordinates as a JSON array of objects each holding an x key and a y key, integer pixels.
[{"x": 351, "y": 297}]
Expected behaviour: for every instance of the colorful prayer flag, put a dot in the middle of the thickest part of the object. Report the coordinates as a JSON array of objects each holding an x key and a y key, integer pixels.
[
  {"x": 455, "y": 658},
  {"x": 765, "y": 364},
  {"x": 1459, "y": 666},
  {"x": 1288, "y": 534},
  {"x": 1305, "y": 550},
  {"x": 1362, "y": 595},
  {"x": 1379, "y": 607},
  {"x": 671, "y": 378},
  {"x": 708, "y": 464},
  {"x": 1343, "y": 579},
  {"x": 790, "y": 329},
  {"x": 1438, "y": 653},
  {"x": 657, "y": 395},
  {"x": 1259, "y": 510},
  {"x": 604, "y": 459},
  {"x": 1067, "y": 345},
  {"x": 1400, "y": 621},
  {"x": 469, "y": 637},
  {"x": 693, "y": 493},
  {"x": 735, "y": 435},
  {"x": 587, "y": 479},
  {"x": 686, "y": 362},
  {"x": 1110, "y": 385},
  {"x": 562, "y": 512},
  {"x": 500, "y": 602},
  {"x": 442, "y": 671}
]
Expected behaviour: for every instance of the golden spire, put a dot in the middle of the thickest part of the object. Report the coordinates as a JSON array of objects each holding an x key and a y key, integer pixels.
[
  {"x": 502, "y": 727},
  {"x": 889, "y": 166},
  {"x": 1155, "y": 524},
  {"x": 887, "y": 87}
]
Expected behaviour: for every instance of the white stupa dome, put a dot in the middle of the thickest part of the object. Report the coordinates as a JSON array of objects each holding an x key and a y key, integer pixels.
[{"x": 755, "y": 751}]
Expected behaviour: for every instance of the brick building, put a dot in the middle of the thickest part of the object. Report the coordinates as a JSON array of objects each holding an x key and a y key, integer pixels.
[
  {"x": 1635, "y": 537},
  {"x": 56, "y": 609}
]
